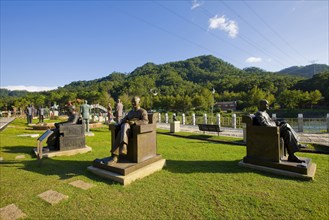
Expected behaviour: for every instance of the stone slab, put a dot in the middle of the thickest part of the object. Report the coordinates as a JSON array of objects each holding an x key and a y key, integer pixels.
[
  {"x": 64, "y": 152},
  {"x": 11, "y": 212},
  {"x": 128, "y": 179},
  {"x": 19, "y": 157},
  {"x": 42, "y": 126},
  {"x": 125, "y": 167},
  {"x": 309, "y": 176},
  {"x": 52, "y": 197},
  {"x": 89, "y": 134},
  {"x": 28, "y": 135},
  {"x": 81, "y": 184},
  {"x": 95, "y": 125},
  {"x": 283, "y": 164}
]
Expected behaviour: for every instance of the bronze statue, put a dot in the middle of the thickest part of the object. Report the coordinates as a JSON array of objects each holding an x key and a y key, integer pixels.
[
  {"x": 137, "y": 116},
  {"x": 53, "y": 140},
  {"x": 85, "y": 111},
  {"x": 118, "y": 111},
  {"x": 288, "y": 134},
  {"x": 109, "y": 113},
  {"x": 41, "y": 114},
  {"x": 29, "y": 113}
]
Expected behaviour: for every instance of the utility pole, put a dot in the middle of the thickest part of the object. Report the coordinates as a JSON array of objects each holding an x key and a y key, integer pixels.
[{"x": 313, "y": 63}]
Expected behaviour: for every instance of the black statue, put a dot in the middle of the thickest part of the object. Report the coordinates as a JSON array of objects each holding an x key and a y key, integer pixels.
[
  {"x": 137, "y": 116},
  {"x": 288, "y": 134}
]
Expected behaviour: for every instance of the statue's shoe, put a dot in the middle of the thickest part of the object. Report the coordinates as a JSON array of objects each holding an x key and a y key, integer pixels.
[
  {"x": 302, "y": 146},
  {"x": 293, "y": 158},
  {"x": 112, "y": 160}
]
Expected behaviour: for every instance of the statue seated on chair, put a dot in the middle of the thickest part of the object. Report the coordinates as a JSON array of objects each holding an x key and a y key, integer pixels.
[
  {"x": 269, "y": 140},
  {"x": 263, "y": 143},
  {"x": 134, "y": 139},
  {"x": 67, "y": 135}
]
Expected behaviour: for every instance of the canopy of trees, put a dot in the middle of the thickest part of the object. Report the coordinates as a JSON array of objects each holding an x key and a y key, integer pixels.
[{"x": 185, "y": 86}]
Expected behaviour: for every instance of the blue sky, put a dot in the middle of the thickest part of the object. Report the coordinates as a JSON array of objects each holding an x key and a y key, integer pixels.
[{"x": 46, "y": 44}]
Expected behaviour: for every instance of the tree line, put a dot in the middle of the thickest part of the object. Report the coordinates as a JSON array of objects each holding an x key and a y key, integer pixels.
[{"x": 194, "y": 85}]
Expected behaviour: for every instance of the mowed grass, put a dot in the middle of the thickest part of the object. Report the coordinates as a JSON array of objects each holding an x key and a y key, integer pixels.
[{"x": 201, "y": 180}]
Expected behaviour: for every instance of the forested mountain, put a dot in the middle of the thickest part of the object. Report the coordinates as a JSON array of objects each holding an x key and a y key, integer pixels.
[
  {"x": 15, "y": 93},
  {"x": 182, "y": 86},
  {"x": 305, "y": 71}
]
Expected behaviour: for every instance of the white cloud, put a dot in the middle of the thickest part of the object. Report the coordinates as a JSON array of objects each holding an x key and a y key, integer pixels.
[
  {"x": 195, "y": 4},
  {"x": 253, "y": 60},
  {"x": 222, "y": 23},
  {"x": 29, "y": 88}
]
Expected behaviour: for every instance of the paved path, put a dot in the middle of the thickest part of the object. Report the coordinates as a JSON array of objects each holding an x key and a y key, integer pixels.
[
  {"x": 4, "y": 121},
  {"x": 322, "y": 138}
]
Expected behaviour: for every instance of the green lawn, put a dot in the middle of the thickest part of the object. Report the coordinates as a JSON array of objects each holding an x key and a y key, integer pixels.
[{"x": 202, "y": 180}]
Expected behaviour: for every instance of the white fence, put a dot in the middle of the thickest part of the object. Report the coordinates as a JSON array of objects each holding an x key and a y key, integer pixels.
[{"x": 300, "y": 124}]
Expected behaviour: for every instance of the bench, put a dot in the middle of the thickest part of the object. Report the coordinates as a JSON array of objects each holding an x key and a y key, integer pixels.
[{"x": 208, "y": 127}]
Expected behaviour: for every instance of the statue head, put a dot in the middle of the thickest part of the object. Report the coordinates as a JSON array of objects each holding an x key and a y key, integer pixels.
[
  {"x": 86, "y": 101},
  {"x": 119, "y": 100},
  {"x": 263, "y": 105},
  {"x": 135, "y": 101}
]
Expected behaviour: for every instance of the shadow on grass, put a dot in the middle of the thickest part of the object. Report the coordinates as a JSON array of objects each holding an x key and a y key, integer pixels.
[
  {"x": 316, "y": 148},
  {"x": 64, "y": 169},
  {"x": 18, "y": 149},
  {"x": 181, "y": 166}
]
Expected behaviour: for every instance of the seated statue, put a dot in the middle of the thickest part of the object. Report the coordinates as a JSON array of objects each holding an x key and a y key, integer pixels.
[
  {"x": 288, "y": 134},
  {"x": 53, "y": 140},
  {"x": 137, "y": 116}
]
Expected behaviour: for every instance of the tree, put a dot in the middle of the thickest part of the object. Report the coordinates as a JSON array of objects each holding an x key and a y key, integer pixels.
[{"x": 315, "y": 97}]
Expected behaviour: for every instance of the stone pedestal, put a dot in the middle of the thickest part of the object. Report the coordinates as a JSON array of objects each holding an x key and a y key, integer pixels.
[
  {"x": 304, "y": 171},
  {"x": 125, "y": 172},
  {"x": 244, "y": 128},
  {"x": 175, "y": 127},
  {"x": 47, "y": 153},
  {"x": 300, "y": 123}
]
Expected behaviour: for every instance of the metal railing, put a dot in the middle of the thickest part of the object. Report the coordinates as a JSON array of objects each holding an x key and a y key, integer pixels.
[{"x": 310, "y": 125}]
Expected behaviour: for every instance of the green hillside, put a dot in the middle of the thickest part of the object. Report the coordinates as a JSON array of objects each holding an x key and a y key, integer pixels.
[
  {"x": 180, "y": 86},
  {"x": 305, "y": 71}
]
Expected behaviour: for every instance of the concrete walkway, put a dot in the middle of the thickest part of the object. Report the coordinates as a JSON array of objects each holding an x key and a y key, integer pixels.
[
  {"x": 321, "y": 138},
  {"x": 4, "y": 121}
]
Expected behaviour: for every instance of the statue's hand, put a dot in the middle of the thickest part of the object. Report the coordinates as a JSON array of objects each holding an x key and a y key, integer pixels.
[{"x": 131, "y": 122}]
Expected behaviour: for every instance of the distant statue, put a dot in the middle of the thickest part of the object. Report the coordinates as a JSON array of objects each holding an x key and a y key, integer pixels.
[
  {"x": 54, "y": 110},
  {"x": 174, "y": 118},
  {"x": 290, "y": 137},
  {"x": 137, "y": 116},
  {"x": 109, "y": 113},
  {"x": 118, "y": 111},
  {"x": 29, "y": 113},
  {"x": 41, "y": 114},
  {"x": 85, "y": 111}
]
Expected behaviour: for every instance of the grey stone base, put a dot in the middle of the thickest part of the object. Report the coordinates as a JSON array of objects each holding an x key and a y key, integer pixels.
[
  {"x": 89, "y": 134},
  {"x": 64, "y": 152},
  {"x": 308, "y": 176},
  {"x": 129, "y": 178}
]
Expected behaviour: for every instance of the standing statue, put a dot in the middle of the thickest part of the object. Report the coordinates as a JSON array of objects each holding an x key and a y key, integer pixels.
[
  {"x": 85, "y": 111},
  {"x": 290, "y": 137},
  {"x": 29, "y": 113},
  {"x": 109, "y": 113},
  {"x": 118, "y": 111},
  {"x": 41, "y": 114},
  {"x": 136, "y": 116}
]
